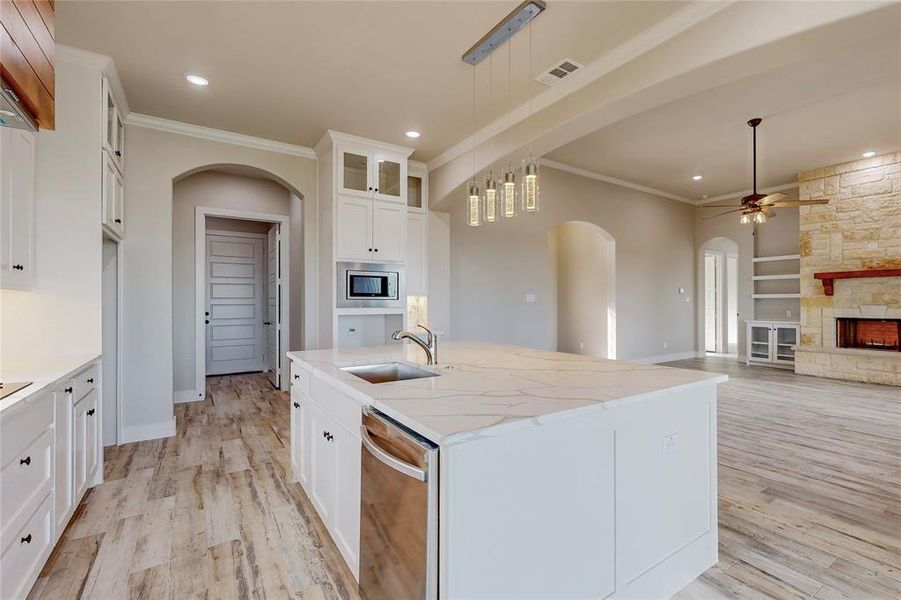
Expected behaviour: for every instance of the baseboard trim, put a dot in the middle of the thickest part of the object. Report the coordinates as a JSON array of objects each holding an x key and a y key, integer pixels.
[
  {"x": 667, "y": 357},
  {"x": 152, "y": 431},
  {"x": 181, "y": 396}
]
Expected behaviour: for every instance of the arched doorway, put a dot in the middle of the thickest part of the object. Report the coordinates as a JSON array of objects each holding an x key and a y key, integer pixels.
[
  {"x": 719, "y": 295},
  {"x": 232, "y": 275},
  {"x": 585, "y": 257}
]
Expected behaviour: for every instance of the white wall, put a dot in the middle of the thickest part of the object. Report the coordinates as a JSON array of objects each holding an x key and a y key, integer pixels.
[
  {"x": 439, "y": 273},
  {"x": 153, "y": 160},
  {"x": 492, "y": 268},
  {"x": 585, "y": 288},
  {"x": 60, "y": 315},
  {"x": 211, "y": 189}
]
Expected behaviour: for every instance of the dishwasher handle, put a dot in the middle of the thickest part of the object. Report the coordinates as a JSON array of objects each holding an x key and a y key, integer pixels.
[{"x": 392, "y": 461}]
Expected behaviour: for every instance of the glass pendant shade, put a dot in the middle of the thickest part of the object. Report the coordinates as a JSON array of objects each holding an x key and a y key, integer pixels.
[
  {"x": 508, "y": 201},
  {"x": 473, "y": 214},
  {"x": 530, "y": 186},
  {"x": 490, "y": 199},
  {"x": 745, "y": 218},
  {"x": 759, "y": 217}
]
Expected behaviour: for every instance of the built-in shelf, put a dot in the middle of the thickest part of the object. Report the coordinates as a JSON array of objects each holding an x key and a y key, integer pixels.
[
  {"x": 774, "y": 277},
  {"x": 773, "y": 296},
  {"x": 776, "y": 258}
]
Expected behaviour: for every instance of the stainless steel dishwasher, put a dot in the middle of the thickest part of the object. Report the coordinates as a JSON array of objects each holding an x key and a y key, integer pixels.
[{"x": 398, "y": 511}]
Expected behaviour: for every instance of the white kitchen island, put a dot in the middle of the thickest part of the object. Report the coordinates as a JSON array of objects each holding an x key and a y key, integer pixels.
[{"x": 561, "y": 476}]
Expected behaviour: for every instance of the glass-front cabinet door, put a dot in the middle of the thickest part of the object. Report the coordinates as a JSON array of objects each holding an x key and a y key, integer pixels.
[
  {"x": 353, "y": 172},
  {"x": 785, "y": 337},
  {"x": 414, "y": 191},
  {"x": 759, "y": 337},
  {"x": 389, "y": 176}
]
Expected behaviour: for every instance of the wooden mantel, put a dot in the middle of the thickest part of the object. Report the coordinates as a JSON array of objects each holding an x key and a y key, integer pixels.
[{"x": 830, "y": 277}]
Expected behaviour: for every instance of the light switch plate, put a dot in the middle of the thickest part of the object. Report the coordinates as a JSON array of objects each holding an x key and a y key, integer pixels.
[{"x": 530, "y": 297}]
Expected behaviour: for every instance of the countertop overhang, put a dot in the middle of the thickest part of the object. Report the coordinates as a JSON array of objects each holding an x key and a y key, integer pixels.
[{"x": 487, "y": 389}]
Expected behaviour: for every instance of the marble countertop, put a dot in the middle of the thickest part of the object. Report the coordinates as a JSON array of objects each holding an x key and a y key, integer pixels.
[
  {"x": 43, "y": 373},
  {"x": 487, "y": 386}
]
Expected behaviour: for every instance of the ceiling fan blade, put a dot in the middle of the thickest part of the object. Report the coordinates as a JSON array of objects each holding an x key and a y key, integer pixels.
[
  {"x": 800, "y": 202},
  {"x": 771, "y": 198},
  {"x": 768, "y": 211},
  {"x": 722, "y": 213},
  {"x": 718, "y": 206}
]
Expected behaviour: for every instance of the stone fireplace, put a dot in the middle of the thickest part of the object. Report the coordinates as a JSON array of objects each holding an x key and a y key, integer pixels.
[{"x": 850, "y": 327}]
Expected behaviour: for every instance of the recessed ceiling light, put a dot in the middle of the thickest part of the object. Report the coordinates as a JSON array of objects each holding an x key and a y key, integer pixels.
[
  {"x": 413, "y": 134},
  {"x": 197, "y": 79},
  {"x": 697, "y": 177},
  {"x": 869, "y": 154}
]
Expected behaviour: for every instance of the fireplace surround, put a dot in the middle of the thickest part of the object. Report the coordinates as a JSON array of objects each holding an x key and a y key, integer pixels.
[{"x": 869, "y": 334}]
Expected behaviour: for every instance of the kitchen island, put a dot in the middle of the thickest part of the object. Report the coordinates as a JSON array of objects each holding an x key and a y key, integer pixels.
[{"x": 561, "y": 476}]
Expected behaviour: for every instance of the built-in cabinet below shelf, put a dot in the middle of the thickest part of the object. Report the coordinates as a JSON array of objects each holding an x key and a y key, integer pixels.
[
  {"x": 17, "y": 181},
  {"x": 772, "y": 343}
]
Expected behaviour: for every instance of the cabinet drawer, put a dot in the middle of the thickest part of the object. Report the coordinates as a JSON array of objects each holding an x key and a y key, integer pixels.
[
  {"x": 300, "y": 378},
  {"x": 26, "y": 479},
  {"x": 344, "y": 409},
  {"x": 27, "y": 421},
  {"x": 23, "y": 558},
  {"x": 84, "y": 382}
]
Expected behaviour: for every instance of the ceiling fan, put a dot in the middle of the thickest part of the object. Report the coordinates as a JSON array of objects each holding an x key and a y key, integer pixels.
[{"x": 755, "y": 208}]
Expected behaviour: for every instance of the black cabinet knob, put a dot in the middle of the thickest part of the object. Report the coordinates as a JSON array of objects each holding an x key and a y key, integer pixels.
[
  {"x": 296, "y": 405},
  {"x": 26, "y": 539},
  {"x": 118, "y": 153},
  {"x": 91, "y": 380},
  {"x": 376, "y": 249},
  {"x": 376, "y": 189},
  {"x": 370, "y": 188},
  {"x": 68, "y": 390},
  {"x": 91, "y": 412},
  {"x": 296, "y": 376},
  {"x": 207, "y": 321},
  {"x": 370, "y": 249},
  {"x": 25, "y": 461}
]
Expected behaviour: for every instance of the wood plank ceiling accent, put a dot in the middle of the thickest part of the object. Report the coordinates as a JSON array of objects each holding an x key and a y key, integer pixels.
[{"x": 27, "y": 57}]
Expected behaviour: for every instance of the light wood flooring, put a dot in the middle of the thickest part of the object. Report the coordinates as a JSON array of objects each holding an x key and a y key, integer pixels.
[{"x": 809, "y": 486}]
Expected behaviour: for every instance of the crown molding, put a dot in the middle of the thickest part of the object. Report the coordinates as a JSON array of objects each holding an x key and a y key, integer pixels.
[
  {"x": 614, "y": 180},
  {"x": 332, "y": 137},
  {"x": 103, "y": 63},
  {"x": 629, "y": 50},
  {"x": 743, "y": 193},
  {"x": 218, "y": 135}
]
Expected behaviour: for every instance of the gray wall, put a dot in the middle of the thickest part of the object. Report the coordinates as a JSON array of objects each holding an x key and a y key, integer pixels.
[{"x": 493, "y": 267}]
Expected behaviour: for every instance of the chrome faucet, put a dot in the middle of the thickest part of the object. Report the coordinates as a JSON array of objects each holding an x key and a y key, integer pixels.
[{"x": 430, "y": 346}]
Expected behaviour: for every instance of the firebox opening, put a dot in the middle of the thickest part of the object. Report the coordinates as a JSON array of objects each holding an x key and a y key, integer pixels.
[{"x": 871, "y": 334}]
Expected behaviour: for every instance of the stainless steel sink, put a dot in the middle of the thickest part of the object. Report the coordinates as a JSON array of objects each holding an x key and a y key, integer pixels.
[{"x": 387, "y": 372}]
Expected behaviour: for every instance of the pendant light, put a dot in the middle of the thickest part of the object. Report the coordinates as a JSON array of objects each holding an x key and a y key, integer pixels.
[
  {"x": 508, "y": 203},
  {"x": 490, "y": 199},
  {"x": 473, "y": 213},
  {"x": 530, "y": 165}
]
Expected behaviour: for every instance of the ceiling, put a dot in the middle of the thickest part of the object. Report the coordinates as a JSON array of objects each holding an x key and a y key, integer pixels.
[
  {"x": 822, "y": 111},
  {"x": 287, "y": 71}
]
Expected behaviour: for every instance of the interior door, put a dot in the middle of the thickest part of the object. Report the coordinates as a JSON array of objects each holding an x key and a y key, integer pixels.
[
  {"x": 235, "y": 341},
  {"x": 273, "y": 307}
]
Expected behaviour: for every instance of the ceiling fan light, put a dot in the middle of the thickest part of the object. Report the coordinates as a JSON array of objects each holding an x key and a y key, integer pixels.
[
  {"x": 745, "y": 218},
  {"x": 759, "y": 217}
]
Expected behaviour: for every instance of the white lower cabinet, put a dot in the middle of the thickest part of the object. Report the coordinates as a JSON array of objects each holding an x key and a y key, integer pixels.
[
  {"x": 49, "y": 455},
  {"x": 327, "y": 465},
  {"x": 772, "y": 342}
]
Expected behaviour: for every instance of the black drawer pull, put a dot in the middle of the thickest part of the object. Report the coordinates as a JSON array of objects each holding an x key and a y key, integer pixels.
[
  {"x": 26, "y": 539},
  {"x": 296, "y": 376},
  {"x": 91, "y": 412},
  {"x": 68, "y": 390},
  {"x": 118, "y": 220},
  {"x": 91, "y": 380},
  {"x": 25, "y": 461},
  {"x": 296, "y": 405},
  {"x": 18, "y": 267}
]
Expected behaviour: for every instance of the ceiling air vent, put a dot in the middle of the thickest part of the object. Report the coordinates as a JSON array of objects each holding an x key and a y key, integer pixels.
[{"x": 558, "y": 72}]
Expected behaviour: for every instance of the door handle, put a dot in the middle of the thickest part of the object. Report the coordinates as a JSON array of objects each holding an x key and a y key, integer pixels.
[
  {"x": 392, "y": 461},
  {"x": 91, "y": 412},
  {"x": 267, "y": 322}
]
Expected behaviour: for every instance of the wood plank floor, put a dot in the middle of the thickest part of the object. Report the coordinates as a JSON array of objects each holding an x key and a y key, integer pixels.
[
  {"x": 809, "y": 484},
  {"x": 809, "y": 487}
]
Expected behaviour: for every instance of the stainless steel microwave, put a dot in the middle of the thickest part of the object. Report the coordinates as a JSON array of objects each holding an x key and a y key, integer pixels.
[{"x": 370, "y": 285}]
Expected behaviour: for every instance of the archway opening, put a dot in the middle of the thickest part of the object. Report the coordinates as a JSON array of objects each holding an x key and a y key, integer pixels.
[
  {"x": 585, "y": 257},
  {"x": 719, "y": 277}
]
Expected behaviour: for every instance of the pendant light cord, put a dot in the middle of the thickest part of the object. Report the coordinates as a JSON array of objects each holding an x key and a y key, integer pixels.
[
  {"x": 754, "y": 158},
  {"x": 527, "y": 89},
  {"x": 473, "y": 122}
]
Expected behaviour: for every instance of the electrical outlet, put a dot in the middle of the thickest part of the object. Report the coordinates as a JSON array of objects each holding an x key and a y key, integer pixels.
[
  {"x": 788, "y": 313},
  {"x": 530, "y": 297},
  {"x": 671, "y": 443}
]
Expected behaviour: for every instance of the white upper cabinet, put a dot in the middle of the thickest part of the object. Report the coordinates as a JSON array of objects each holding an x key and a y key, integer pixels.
[
  {"x": 389, "y": 227},
  {"x": 16, "y": 208},
  {"x": 354, "y": 228},
  {"x": 113, "y": 198},
  {"x": 113, "y": 128},
  {"x": 371, "y": 173}
]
